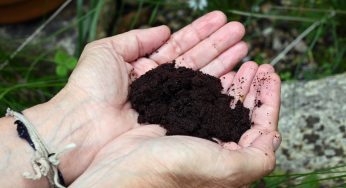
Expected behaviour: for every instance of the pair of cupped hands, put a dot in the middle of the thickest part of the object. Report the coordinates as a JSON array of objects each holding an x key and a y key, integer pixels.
[{"x": 113, "y": 150}]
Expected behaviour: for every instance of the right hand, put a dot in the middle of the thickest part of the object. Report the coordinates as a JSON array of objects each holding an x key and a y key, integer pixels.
[{"x": 144, "y": 157}]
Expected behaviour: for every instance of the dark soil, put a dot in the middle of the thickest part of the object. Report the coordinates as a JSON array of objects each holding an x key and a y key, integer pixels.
[{"x": 187, "y": 102}]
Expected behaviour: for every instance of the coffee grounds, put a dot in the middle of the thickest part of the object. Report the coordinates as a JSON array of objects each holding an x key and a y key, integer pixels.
[{"x": 187, "y": 102}]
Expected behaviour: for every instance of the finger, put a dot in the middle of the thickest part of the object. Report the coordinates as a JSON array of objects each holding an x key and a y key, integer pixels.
[
  {"x": 226, "y": 81},
  {"x": 250, "y": 135},
  {"x": 231, "y": 146},
  {"x": 211, "y": 47},
  {"x": 267, "y": 142},
  {"x": 227, "y": 145},
  {"x": 143, "y": 65},
  {"x": 242, "y": 81},
  {"x": 254, "y": 162},
  {"x": 137, "y": 43},
  {"x": 262, "y": 73},
  {"x": 265, "y": 116},
  {"x": 227, "y": 60},
  {"x": 189, "y": 36}
]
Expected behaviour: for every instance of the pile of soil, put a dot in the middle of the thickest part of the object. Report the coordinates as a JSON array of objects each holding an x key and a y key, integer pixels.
[{"x": 187, "y": 102}]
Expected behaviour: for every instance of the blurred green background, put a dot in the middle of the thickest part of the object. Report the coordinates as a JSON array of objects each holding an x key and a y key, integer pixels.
[{"x": 314, "y": 29}]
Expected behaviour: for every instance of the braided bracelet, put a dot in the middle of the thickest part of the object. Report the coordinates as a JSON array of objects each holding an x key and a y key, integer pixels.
[{"x": 45, "y": 163}]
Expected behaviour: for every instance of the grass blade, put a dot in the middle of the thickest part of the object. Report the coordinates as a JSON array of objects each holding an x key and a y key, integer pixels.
[
  {"x": 94, "y": 21},
  {"x": 139, "y": 10},
  {"x": 154, "y": 14}
]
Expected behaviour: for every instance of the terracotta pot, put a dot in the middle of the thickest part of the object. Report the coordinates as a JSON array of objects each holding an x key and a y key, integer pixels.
[{"x": 14, "y": 11}]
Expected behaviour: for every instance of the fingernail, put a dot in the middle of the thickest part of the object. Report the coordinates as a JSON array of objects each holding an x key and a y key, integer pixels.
[{"x": 276, "y": 141}]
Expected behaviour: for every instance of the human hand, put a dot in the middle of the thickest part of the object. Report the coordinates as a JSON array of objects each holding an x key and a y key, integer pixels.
[
  {"x": 92, "y": 109},
  {"x": 144, "y": 157}
]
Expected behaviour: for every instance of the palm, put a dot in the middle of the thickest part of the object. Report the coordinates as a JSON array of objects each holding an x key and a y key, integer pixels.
[
  {"x": 144, "y": 151},
  {"x": 103, "y": 77},
  {"x": 207, "y": 45},
  {"x": 102, "y": 74}
]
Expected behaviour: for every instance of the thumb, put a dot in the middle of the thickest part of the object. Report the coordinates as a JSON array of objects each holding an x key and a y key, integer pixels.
[{"x": 138, "y": 43}]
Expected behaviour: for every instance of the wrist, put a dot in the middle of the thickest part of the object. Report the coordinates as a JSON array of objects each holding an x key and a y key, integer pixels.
[
  {"x": 59, "y": 122},
  {"x": 15, "y": 158}
]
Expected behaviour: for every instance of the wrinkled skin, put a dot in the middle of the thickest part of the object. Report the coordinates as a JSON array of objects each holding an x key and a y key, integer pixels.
[{"x": 114, "y": 150}]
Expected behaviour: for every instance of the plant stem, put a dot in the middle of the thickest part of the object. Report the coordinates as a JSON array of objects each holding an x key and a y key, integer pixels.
[
  {"x": 35, "y": 33},
  {"x": 299, "y": 38},
  {"x": 273, "y": 17}
]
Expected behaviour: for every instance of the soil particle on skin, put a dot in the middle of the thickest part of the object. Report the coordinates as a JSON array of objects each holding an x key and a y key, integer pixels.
[
  {"x": 187, "y": 102},
  {"x": 259, "y": 103}
]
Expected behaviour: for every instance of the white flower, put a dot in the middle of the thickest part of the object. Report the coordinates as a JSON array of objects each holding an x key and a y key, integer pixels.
[{"x": 198, "y": 4}]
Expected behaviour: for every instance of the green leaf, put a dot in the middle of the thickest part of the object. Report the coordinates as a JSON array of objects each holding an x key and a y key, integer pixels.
[
  {"x": 65, "y": 60},
  {"x": 60, "y": 57},
  {"x": 61, "y": 71},
  {"x": 285, "y": 75},
  {"x": 71, "y": 63}
]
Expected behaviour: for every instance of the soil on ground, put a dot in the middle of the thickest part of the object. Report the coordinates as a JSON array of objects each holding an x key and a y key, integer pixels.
[{"x": 188, "y": 102}]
